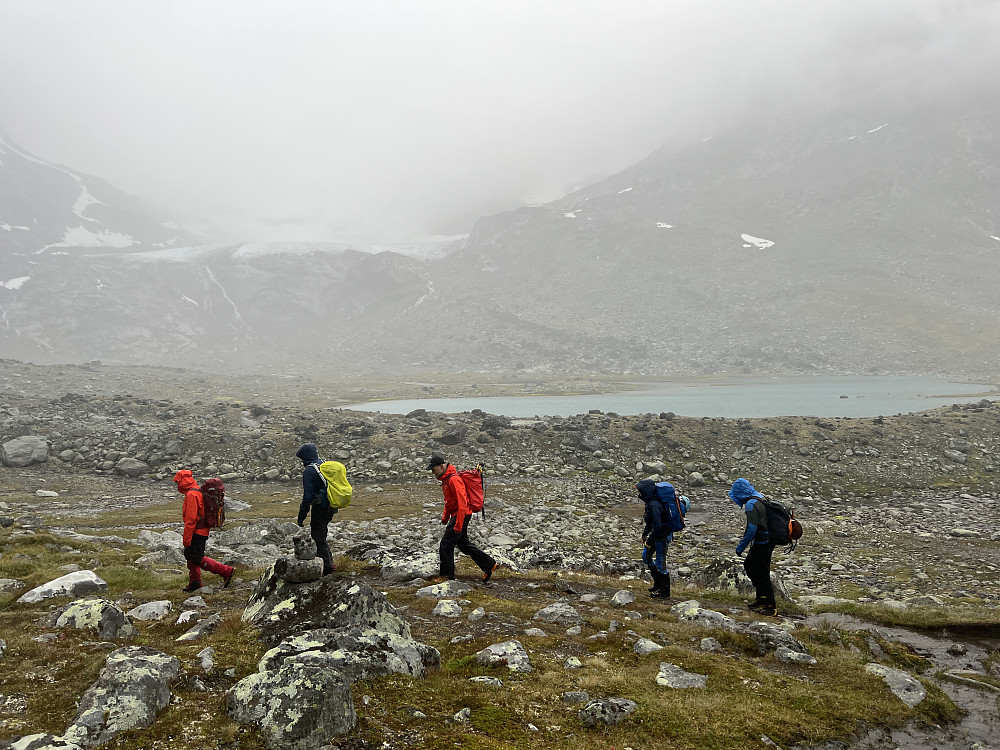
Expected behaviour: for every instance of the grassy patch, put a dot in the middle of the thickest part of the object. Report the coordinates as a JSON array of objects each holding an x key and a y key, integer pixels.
[{"x": 925, "y": 618}]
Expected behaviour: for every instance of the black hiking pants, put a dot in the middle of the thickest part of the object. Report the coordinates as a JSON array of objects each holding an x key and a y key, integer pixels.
[
  {"x": 319, "y": 520},
  {"x": 758, "y": 569},
  {"x": 452, "y": 539}
]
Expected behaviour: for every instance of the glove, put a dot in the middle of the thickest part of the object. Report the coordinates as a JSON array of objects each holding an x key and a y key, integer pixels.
[
  {"x": 739, "y": 551},
  {"x": 300, "y": 521}
]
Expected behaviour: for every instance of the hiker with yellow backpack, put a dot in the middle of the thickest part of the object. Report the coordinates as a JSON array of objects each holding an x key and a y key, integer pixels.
[{"x": 325, "y": 490}]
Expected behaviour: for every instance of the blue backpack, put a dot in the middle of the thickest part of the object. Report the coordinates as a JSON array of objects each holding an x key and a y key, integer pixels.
[{"x": 673, "y": 517}]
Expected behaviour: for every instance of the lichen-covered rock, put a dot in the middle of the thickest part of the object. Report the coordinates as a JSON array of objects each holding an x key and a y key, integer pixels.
[
  {"x": 447, "y": 608},
  {"x": 645, "y": 646},
  {"x": 151, "y": 610},
  {"x": 77, "y": 584},
  {"x": 606, "y": 711},
  {"x": 510, "y": 654},
  {"x": 692, "y": 611},
  {"x": 788, "y": 656},
  {"x": 281, "y": 609},
  {"x": 203, "y": 627},
  {"x": 295, "y": 570},
  {"x": 672, "y": 676},
  {"x": 560, "y": 613},
  {"x": 904, "y": 686},
  {"x": 358, "y": 654},
  {"x": 406, "y": 569},
  {"x": 298, "y": 707},
  {"x": 95, "y": 613},
  {"x": 43, "y": 742},
  {"x": 24, "y": 451},
  {"x": 727, "y": 575},
  {"x": 622, "y": 598},
  {"x": 131, "y": 689},
  {"x": 770, "y": 637},
  {"x": 10, "y": 585},
  {"x": 446, "y": 590}
]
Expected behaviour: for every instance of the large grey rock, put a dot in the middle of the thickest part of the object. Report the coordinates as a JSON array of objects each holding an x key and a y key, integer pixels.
[
  {"x": 262, "y": 533},
  {"x": 672, "y": 676},
  {"x": 76, "y": 584},
  {"x": 280, "y": 609},
  {"x": 24, "y": 451},
  {"x": 358, "y": 654},
  {"x": 204, "y": 626},
  {"x": 43, "y": 742},
  {"x": 300, "y": 706},
  {"x": 728, "y": 575},
  {"x": 421, "y": 566},
  {"x": 645, "y": 646},
  {"x": 131, "y": 689},
  {"x": 445, "y": 590},
  {"x": 131, "y": 467},
  {"x": 770, "y": 637},
  {"x": 10, "y": 585},
  {"x": 692, "y": 611},
  {"x": 510, "y": 654},
  {"x": 151, "y": 610},
  {"x": 295, "y": 570},
  {"x": 606, "y": 711},
  {"x": 93, "y": 613},
  {"x": 904, "y": 686},
  {"x": 559, "y": 613},
  {"x": 447, "y": 608},
  {"x": 622, "y": 598},
  {"x": 304, "y": 545}
]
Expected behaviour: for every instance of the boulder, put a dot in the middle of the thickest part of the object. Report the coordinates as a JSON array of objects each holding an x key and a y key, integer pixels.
[
  {"x": 444, "y": 590},
  {"x": 280, "y": 609},
  {"x": 606, "y": 711},
  {"x": 203, "y": 627},
  {"x": 151, "y": 610},
  {"x": 131, "y": 467},
  {"x": 622, "y": 598},
  {"x": 297, "y": 707},
  {"x": 93, "y": 613},
  {"x": 691, "y": 611},
  {"x": 788, "y": 656},
  {"x": 358, "y": 654},
  {"x": 727, "y": 575},
  {"x": 10, "y": 585},
  {"x": 645, "y": 646},
  {"x": 904, "y": 686},
  {"x": 76, "y": 584},
  {"x": 770, "y": 637},
  {"x": 305, "y": 545},
  {"x": 421, "y": 566},
  {"x": 131, "y": 689},
  {"x": 559, "y": 613},
  {"x": 24, "y": 451},
  {"x": 447, "y": 608},
  {"x": 43, "y": 742},
  {"x": 672, "y": 676},
  {"x": 299, "y": 570},
  {"x": 510, "y": 654}
]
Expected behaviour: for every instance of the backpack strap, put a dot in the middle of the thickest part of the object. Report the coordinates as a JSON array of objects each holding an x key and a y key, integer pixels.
[{"x": 320, "y": 474}]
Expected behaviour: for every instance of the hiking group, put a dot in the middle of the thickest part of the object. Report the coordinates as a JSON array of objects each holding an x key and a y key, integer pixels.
[{"x": 325, "y": 490}]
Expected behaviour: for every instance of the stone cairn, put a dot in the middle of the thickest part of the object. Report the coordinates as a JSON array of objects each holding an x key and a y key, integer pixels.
[{"x": 305, "y": 566}]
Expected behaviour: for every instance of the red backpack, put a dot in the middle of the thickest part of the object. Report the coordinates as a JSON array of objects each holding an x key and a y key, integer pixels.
[
  {"x": 213, "y": 493},
  {"x": 473, "y": 480}
]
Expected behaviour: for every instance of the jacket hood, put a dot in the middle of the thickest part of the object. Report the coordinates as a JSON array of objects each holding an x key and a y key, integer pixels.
[
  {"x": 185, "y": 480},
  {"x": 647, "y": 490},
  {"x": 448, "y": 473},
  {"x": 308, "y": 454},
  {"x": 742, "y": 491}
]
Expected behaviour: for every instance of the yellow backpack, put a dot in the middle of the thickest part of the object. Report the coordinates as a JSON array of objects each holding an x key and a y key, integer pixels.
[{"x": 338, "y": 489}]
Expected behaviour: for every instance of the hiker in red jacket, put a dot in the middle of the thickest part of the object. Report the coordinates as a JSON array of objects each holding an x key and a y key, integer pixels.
[
  {"x": 456, "y": 518},
  {"x": 196, "y": 534}
]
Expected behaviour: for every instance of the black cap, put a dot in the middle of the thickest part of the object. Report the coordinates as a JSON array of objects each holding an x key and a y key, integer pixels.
[{"x": 436, "y": 461}]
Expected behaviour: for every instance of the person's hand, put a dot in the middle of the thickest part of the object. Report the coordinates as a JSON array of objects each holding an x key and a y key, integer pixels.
[
  {"x": 300, "y": 521},
  {"x": 647, "y": 545}
]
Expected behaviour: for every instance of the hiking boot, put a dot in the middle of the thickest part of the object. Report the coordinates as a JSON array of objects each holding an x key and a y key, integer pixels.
[
  {"x": 226, "y": 579},
  {"x": 489, "y": 573},
  {"x": 191, "y": 587},
  {"x": 439, "y": 579}
]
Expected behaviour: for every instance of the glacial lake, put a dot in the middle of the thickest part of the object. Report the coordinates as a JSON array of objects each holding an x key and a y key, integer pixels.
[{"x": 866, "y": 396}]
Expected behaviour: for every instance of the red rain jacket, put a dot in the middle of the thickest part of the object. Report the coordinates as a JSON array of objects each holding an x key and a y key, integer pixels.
[
  {"x": 193, "y": 510},
  {"x": 456, "y": 502}
]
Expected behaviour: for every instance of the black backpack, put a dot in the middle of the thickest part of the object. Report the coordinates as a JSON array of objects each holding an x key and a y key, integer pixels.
[{"x": 782, "y": 528}]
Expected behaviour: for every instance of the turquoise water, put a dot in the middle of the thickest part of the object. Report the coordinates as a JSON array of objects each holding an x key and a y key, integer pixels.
[{"x": 867, "y": 396}]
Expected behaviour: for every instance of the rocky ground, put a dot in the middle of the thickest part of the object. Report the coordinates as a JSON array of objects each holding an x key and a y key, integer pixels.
[{"x": 900, "y": 514}]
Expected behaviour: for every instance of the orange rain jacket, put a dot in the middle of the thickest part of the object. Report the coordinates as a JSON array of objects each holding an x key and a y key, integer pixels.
[
  {"x": 193, "y": 510},
  {"x": 456, "y": 502}
]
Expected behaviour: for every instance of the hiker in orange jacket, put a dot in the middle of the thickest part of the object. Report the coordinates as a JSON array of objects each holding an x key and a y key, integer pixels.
[
  {"x": 196, "y": 534},
  {"x": 456, "y": 518}
]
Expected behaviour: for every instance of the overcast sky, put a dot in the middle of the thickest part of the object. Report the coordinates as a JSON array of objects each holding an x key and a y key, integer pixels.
[{"x": 391, "y": 120}]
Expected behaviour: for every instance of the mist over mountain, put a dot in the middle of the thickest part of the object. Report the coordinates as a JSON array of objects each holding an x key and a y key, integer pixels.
[{"x": 861, "y": 240}]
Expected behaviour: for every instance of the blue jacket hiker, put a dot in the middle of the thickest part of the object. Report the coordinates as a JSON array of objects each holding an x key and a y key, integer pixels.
[
  {"x": 314, "y": 503},
  {"x": 656, "y": 536},
  {"x": 758, "y": 561}
]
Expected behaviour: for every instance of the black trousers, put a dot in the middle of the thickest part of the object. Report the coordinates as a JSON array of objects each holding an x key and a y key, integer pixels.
[
  {"x": 319, "y": 520},
  {"x": 452, "y": 539},
  {"x": 758, "y": 569}
]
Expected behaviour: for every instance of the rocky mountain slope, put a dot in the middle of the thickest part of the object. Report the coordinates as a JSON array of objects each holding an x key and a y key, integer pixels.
[{"x": 863, "y": 240}]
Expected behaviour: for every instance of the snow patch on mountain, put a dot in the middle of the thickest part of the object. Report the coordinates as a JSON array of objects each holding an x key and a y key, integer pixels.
[
  {"x": 11, "y": 227},
  {"x": 758, "y": 242},
  {"x": 15, "y": 283}
]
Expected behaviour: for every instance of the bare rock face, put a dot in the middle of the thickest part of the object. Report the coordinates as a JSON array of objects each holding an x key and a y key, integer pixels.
[
  {"x": 24, "y": 451},
  {"x": 280, "y": 609}
]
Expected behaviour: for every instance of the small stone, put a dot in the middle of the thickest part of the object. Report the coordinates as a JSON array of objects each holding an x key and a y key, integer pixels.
[
  {"x": 486, "y": 680},
  {"x": 645, "y": 646},
  {"x": 573, "y": 663},
  {"x": 575, "y": 630}
]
